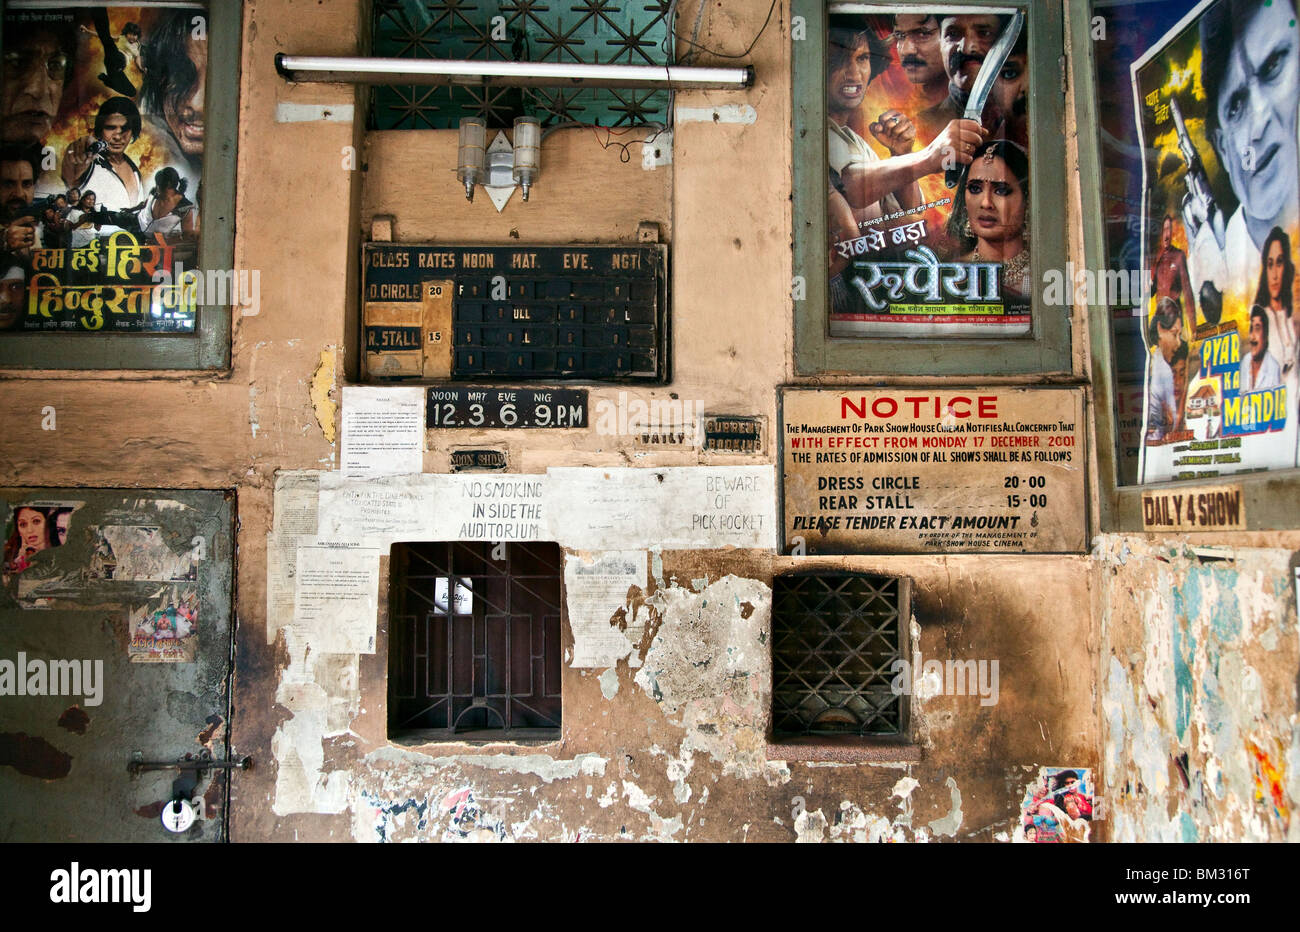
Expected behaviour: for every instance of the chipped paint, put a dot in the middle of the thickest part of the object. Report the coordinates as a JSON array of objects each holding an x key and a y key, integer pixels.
[
  {"x": 810, "y": 827},
  {"x": 542, "y": 766},
  {"x": 301, "y": 783},
  {"x": 949, "y": 824},
  {"x": 322, "y": 386},
  {"x": 1198, "y": 665},
  {"x": 609, "y": 683}
]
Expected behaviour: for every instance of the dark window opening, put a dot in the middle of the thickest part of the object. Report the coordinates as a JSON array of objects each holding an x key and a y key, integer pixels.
[
  {"x": 474, "y": 641},
  {"x": 835, "y": 640}
]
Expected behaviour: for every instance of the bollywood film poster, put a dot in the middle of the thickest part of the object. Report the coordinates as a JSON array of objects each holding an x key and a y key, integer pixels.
[
  {"x": 1215, "y": 103},
  {"x": 1058, "y": 807},
  {"x": 166, "y": 628},
  {"x": 101, "y": 159},
  {"x": 35, "y": 526},
  {"x": 928, "y": 149}
]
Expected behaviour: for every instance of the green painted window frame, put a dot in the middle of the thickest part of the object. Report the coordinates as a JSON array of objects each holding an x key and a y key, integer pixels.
[
  {"x": 1270, "y": 500},
  {"x": 1047, "y": 347},
  {"x": 208, "y": 348}
]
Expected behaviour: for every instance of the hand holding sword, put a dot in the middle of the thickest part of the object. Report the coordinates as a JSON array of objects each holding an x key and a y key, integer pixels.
[{"x": 979, "y": 95}]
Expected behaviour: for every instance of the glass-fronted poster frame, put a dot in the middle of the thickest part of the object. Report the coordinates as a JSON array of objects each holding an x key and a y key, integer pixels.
[
  {"x": 1191, "y": 170},
  {"x": 118, "y": 131},
  {"x": 894, "y": 275}
]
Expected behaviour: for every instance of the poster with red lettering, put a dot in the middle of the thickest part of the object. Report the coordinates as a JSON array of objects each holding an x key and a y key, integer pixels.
[{"x": 933, "y": 470}]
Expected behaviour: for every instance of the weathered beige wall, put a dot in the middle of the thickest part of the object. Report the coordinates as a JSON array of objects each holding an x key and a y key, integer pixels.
[{"x": 690, "y": 764}]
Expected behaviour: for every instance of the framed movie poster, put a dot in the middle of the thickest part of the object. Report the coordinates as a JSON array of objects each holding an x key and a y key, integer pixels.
[
  {"x": 1195, "y": 122},
  {"x": 931, "y": 132},
  {"x": 1216, "y": 99},
  {"x": 115, "y": 214}
]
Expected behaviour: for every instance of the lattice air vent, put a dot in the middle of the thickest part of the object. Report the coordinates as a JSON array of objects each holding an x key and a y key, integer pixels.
[{"x": 834, "y": 640}]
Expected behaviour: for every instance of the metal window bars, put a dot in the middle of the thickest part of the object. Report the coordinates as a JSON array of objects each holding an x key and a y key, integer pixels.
[
  {"x": 835, "y": 638},
  {"x": 474, "y": 642}
]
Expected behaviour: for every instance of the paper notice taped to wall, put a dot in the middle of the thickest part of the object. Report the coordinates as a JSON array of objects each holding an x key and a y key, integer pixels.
[
  {"x": 597, "y": 595},
  {"x": 383, "y": 431},
  {"x": 336, "y": 596},
  {"x": 296, "y": 494}
]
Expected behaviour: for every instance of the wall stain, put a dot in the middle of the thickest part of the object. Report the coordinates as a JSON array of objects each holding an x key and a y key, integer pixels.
[
  {"x": 75, "y": 719},
  {"x": 33, "y": 757}
]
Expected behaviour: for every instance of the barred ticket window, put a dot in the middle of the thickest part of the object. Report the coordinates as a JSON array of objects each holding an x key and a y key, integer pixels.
[{"x": 474, "y": 649}]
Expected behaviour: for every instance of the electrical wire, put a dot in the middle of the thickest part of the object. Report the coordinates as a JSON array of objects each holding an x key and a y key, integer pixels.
[
  {"x": 625, "y": 153},
  {"x": 749, "y": 48}
]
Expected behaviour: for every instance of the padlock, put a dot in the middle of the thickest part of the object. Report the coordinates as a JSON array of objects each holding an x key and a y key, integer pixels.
[{"x": 178, "y": 815}]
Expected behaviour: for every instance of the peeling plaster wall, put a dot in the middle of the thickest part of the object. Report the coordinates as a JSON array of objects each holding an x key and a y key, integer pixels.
[
  {"x": 672, "y": 748},
  {"x": 670, "y": 744},
  {"x": 1197, "y": 675}
]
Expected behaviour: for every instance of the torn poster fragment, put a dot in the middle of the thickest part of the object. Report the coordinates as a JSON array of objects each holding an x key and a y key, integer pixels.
[{"x": 1057, "y": 807}]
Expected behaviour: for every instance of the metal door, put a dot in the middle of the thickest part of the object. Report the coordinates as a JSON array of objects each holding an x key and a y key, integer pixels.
[{"x": 115, "y": 651}]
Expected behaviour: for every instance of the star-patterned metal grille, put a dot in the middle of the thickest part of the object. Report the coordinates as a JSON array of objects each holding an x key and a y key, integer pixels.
[
  {"x": 834, "y": 641},
  {"x": 631, "y": 32}
]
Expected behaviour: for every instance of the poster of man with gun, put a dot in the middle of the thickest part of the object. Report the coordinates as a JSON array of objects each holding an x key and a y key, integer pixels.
[{"x": 1215, "y": 100}]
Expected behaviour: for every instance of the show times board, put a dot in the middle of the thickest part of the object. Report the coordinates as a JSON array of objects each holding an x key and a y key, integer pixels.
[{"x": 931, "y": 470}]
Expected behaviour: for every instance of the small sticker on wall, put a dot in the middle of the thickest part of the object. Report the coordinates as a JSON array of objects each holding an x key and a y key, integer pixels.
[
  {"x": 1057, "y": 807},
  {"x": 166, "y": 630}
]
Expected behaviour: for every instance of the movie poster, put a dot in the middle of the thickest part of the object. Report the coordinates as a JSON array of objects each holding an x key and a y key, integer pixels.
[
  {"x": 34, "y": 526},
  {"x": 166, "y": 629},
  {"x": 101, "y": 159},
  {"x": 928, "y": 151},
  {"x": 1057, "y": 808},
  {"x": 1215, "y": 103}
]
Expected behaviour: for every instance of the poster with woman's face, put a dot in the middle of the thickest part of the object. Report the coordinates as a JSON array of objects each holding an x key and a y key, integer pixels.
[
  {"x": 928, "y": 165},
  {"x": 102, "y": 136},
  {"x": 1214, "y": 98},
  {"x": 35, "y": 526}
]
